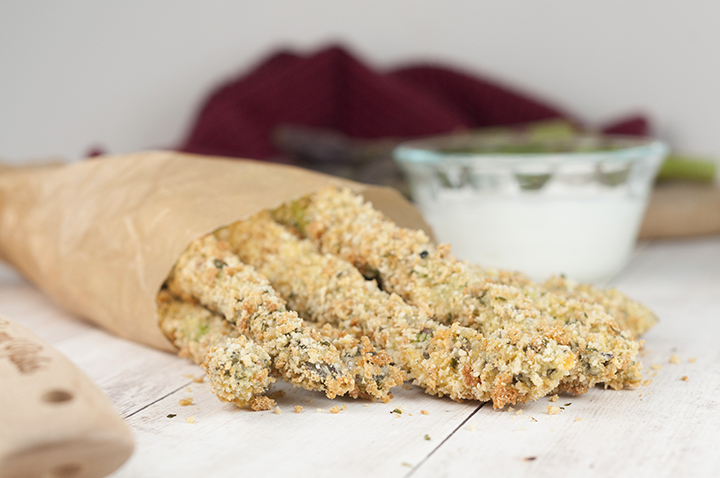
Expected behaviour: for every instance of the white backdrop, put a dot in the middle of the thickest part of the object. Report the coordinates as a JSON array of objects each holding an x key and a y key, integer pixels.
[{"x": 130, "y": 74}]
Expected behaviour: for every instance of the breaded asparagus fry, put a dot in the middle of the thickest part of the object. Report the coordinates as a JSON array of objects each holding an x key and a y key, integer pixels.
[
  {"x": 628, "y": 314},
  {"x": 212, "y": 275},
  {"x": 238, "y": 371},
  {"x": 195, "y": 331},
  {"x": 373, "y": 370},
  {"x": 192, "y": 328},
  {"x": 507, "y": 367},
  {"x": 429, "y": 277}
]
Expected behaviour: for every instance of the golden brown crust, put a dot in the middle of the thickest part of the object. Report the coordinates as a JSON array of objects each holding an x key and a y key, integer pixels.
[
  {"x": 429, "y": 277},
  {"x": 213, "y": 276},
  {"x": 454, "y": 361}
]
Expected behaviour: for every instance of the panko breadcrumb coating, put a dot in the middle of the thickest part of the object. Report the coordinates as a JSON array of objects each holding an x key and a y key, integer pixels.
[
  {"x": 193, "y": 329},
  {"x": 373, "y": 370},
  {"x": 508, "y": 366},
  {"x": 629, "y": 314},
  {"x": 210, "y": 274},
  {"x": 407, "y": 263},
  {"x": 238, "y": 371}
]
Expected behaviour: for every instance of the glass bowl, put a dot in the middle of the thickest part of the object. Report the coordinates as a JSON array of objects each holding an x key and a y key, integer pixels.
[{"x": 570, "y": 206}]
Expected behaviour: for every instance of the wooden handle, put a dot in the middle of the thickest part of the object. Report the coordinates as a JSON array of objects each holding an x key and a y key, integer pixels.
[{"x": 54, "y": 422}]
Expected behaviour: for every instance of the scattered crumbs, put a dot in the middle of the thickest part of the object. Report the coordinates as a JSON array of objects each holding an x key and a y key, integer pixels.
[
  {"x": 424, "y": 412},
  {"x": 656, "y": 366},
  {"x": 405, "y": 463},
  {"x": 674, "y": 359},
  {"x": 640, "y": 395},
  {"x": 409, "y": 414},
  {"x": 551, "y": 410},
  {"x": 366, "y": 405},
  {"x": 519, "y": 412},
  {"x": 197, "y": 408},
  {"x": 647, "y": 382},
  {"x": 199, "y": 379},
  {"x": 276, "y": 394},
  {"x": 309, "y": 400},
  {"x": 298, "y": 409},
  {"x": 510, "y": 409},
  {"x": 190, "y": 419},
  {"x": 188, "y": 389},
  {"x": 277, "y": 411},
  {"x": 692, "y": 359},
  {"x": 319, "y": 410},
  {"x": 344, "y": 407},
  {"x": 578, "y": 419},
  {"x": 684, "y": 378},
  {"x": 334, "y": 410},
  {"x": 406, "y": 386},
  {"x": 472, "y": 427},
  {"x": 654, "y": 374},
  {"x": 554, "y": 398},
  {"x": 189, "y": 375},
  {"x": 398, "y": 410},
  {"x": 184, "y": 402},
  {"x": 262, "y": 403},
  {"x": 530, "y": 458},
  {"x": 427, "y": 437},
  {"x": 172, "y": 415}
]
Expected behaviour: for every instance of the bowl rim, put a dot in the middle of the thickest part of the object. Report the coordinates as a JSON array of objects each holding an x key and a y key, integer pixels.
[{"x": 425, "y": 151}]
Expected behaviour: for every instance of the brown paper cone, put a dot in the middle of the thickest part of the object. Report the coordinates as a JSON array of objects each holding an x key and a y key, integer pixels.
[{"x": 101, "y": 236}]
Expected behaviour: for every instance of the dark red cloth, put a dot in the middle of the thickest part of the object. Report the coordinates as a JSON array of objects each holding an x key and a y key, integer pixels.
[{"x": 331, "y": 89}]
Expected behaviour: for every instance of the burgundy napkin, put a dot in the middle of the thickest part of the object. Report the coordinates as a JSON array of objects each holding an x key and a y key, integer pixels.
[{"x": 333, "y": 90}]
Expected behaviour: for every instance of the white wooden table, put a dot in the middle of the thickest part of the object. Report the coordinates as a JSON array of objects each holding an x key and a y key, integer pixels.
[{"x": 670, "y": 427}]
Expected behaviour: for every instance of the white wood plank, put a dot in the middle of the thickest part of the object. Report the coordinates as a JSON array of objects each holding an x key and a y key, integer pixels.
[{"x": 225, "y": 441}]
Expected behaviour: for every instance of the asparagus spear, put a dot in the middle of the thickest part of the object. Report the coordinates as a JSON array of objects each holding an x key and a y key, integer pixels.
[
  {"x": 507, "y": 366},
  {"x": 407, "y": 263},
  {"x": 628, "y": 314},
  {"x": 210, "y": 274}
]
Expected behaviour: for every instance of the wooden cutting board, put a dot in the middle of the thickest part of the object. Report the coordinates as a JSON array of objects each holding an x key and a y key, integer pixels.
[
  {"x": 54, "y": 422},
  {"x": 679, "y": 209}
]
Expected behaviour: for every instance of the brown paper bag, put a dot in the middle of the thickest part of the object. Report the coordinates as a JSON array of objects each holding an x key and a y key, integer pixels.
[{"x": 101, "y": 236}]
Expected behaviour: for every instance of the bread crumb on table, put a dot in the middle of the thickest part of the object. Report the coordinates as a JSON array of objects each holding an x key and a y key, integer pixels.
[
  {"x": 424, "y": 412},
  {"x": 674, "y": 359},
  {"x": 277, "y": 411},
  {"x": 262, "y": 403},
  {"x": 184, "y": 402},
  {"x": 692, "y": 359},
  {"x": 199, "y": 379},
  {"x": 578, "y": 419},
  {"x": 684, "y": 378},
  {"x": 551, "y": 410},
  {"x": 319, "y": 410},
  {"x": 190, "y": 419},
  {"x": 554, "y": 398},
  {"x": 335, "y": 410},
  {"x": 188, "y": 389},
  {"x": 656, "y": 366},
  {"x": 647, "y": 382},
  {"x": 472, "y": 427},
  {"x": 298, "y": 408}
]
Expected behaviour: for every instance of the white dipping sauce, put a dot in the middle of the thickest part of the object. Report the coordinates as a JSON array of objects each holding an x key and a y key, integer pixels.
[{"x": 588, "y": 238}]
